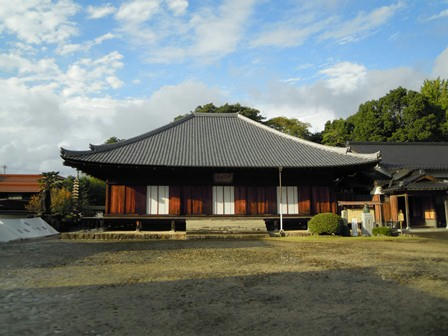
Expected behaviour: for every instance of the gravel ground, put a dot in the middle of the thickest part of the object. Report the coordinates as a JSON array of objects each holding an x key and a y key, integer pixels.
[{"x": 284, "y": 286}]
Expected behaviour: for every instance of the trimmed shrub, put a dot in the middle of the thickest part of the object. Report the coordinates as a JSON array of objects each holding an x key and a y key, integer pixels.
[
  {"x": 382, "y": 231},
  {"x": 327, "y": 224}
]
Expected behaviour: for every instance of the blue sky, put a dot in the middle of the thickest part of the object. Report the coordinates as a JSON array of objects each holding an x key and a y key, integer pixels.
[{"x": 77, "y": 72}]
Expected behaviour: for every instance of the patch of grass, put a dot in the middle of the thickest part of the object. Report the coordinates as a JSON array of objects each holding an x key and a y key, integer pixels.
[{"x": 344, "y": 239}]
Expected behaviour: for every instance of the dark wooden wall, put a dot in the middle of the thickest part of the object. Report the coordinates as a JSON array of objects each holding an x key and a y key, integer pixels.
[
  {"x": 251, "y": 200},
  {"x": 421, "y": 207},
  {"x": 190, "y": 200},
  {"x": 122, "y": 199}
]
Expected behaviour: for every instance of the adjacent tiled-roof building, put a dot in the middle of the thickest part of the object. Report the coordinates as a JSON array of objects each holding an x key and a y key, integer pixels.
[
  {"x": 19, "y": 183},
  {"x": 16, "y": 190},
  {"x": 416, "y": 172},
  {"x": 420, "y": 155}
]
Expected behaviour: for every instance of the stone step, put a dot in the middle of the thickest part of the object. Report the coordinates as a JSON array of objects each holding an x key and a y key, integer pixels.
[
  {"x": 244, "y": 236},
  {"x": 226, "y": 226},
  {"x": 124, "y": 235}
]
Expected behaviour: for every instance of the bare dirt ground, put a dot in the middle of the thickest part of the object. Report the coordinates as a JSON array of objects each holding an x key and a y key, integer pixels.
[{"x": 284, "y": 286}]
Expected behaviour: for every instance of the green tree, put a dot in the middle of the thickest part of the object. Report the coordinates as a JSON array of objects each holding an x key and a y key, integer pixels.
[
  {"x": 112, "y": 140},
  {"x": 61, "y": 202},
  {"x": 246, "y": 111},
  {"x": 290, "y": 126},
  {"x": 48, "y": 181},
  {"x": 337, "y": 132},
  {"x": 401, "y": 115},
  {"x": 436, "y": 91},
  {"x": 92, "y": 191}
]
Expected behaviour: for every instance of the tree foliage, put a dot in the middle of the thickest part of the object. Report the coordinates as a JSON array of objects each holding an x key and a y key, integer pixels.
[
  {"x": 246, "y": 111},
  {"x": 290, "y": 126},
  {"x": 50, "y": 180},
  {"x": 286, "y": 125},
  {"x": 401, "y": 115},
  {"x": 327, "y": 223},
  {"x": 92, "y": 191},
  {"x": 337, "y": 132},
  {"x": 60, "y": 204},
  {"x": 112, "y": 140}
]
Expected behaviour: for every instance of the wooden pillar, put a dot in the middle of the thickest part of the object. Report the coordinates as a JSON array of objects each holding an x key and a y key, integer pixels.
[
  {"x": 107, "y": 206},
  {"x": 378, "y": 212},
  {"x": 393, "y": 208},
  {"x": 381, "y": 215},
  {"x": 446, "y": 210},
  {"x": 408, "y": 217}
]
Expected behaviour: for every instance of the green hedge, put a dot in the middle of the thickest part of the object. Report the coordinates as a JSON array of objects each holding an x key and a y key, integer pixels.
[
  {"x": 328, "y": 224},
  {"x": 382, "y": 231}
]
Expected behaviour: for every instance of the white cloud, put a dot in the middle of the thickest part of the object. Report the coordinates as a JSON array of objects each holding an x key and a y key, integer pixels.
[
  {"x": 440, "y": 68},
  {"x": 133, "y": 14},
  {"x": 38, "y": 21},
  {"x": 211, "y": 33},
  {"x": 39, "y": 120},
  {"x": 330, "y": 97},
  {"x": 178, "y": 7},
  {"x": 114, "y": 82},
  {"x": 29, "y": 70},
  {"x": 13, "y": 62},
  {"x": 100, "y": 11},
  {"x": 220, "y": 34},
  {"x": 137, "y": 11},
  {"x": 291, "y": 80},
  {"x": 361, "y": 25},
  {"x": 289, "y": 35},
  {"x": 66, "y": 49},
  {"x": 85, "y": 76},
  {"x": 440, "y": 15},
  {"x": 307, "y": 22},
  {"x": 345, "y": 77},
  {"x": 88, "y": 76}
]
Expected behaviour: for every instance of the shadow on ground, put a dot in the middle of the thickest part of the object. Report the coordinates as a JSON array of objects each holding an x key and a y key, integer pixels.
[
  {"x": 344, "y": 302},
  {"x": 53, "y": 252},
  {"x": 432, "y": 235}
]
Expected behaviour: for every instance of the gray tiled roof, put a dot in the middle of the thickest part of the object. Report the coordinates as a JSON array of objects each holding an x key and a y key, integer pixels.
[
  {"x": 218, "y": 140},
  {"x": 425, "y": 155},
  {"x": 418, "y": 186}
]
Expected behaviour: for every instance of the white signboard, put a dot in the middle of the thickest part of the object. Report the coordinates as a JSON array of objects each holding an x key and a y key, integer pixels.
[
  {"x": 24, "y": 228},
  {"x": 367, "y": 224},
  {"x": 355, "y": 227}
]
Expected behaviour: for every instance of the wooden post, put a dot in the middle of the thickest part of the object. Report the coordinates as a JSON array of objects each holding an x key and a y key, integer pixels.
[
  {"x": 381, "y": 214},
  {"x": 173, "y": 225},
  {"x": 107, "y": 206},
  {"x": 446, "y": 210},
  {"x": 406, "y": 204},
  {"x": 393, "y": 201}
]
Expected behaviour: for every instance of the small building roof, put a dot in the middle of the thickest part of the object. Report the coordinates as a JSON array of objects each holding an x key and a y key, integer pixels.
[
  {"x": 217, "y": 140},
  {"x": 412, "y": 155},
  {"x": 19, "y": 183},
  {"x": 419, "y": 186}
]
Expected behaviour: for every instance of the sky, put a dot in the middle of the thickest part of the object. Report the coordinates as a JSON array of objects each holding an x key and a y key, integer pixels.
[{"x": 78, "y": 72}]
